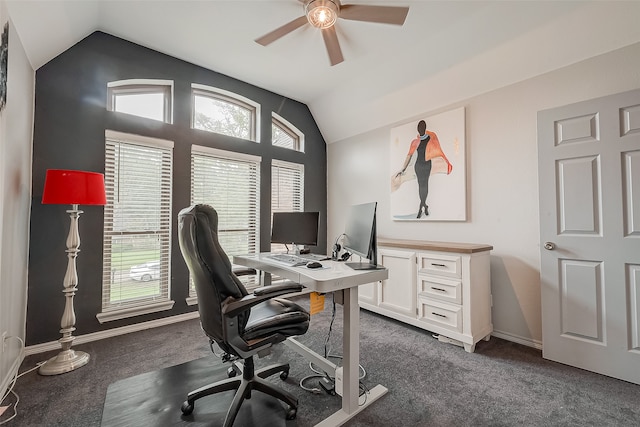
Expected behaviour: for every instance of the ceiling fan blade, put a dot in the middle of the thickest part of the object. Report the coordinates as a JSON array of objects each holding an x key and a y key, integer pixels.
[
  {"x": 281, "y": 31},
  {"x": 381, "y": 14},
  {"x": 333, "y": 46}
]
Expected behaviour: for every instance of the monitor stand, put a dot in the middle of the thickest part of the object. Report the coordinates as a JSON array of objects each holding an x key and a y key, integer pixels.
[
  {"x": 295, "y": 250},
  {"x": 364, "y": 266}
]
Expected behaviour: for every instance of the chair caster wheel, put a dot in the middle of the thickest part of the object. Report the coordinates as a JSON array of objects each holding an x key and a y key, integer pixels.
[
  {"x": 291, "y": 413},
  {"x": 284, "y": 375},
  {"x": 231, "y": 372},
  {"x": 187, "y": 408}
]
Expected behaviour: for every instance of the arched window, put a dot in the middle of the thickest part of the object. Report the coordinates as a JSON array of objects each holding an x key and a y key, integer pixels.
[
  {"x": 143, "y": 98},
  {"x": 224, "y": 112},
  {"x": 285, "y": 135}
]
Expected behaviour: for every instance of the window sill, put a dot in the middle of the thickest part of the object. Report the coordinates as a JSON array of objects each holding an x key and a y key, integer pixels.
[
  {"x": 192, "y": 300},
  {"x": 123, "y": 313}
]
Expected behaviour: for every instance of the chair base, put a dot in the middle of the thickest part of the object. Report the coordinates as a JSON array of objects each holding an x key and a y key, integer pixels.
[{"x": 250, "y": 380}]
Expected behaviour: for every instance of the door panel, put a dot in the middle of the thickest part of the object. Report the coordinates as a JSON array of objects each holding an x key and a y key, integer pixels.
[
  {"x": 397, "y": 293},
  {"x": 589, "y": 176},
  {"x": 579, "y": 204},
  {"x": 631, "y": 192},
  {"x": 633, "y": 285},
  {"x": 581, "y": 295}
]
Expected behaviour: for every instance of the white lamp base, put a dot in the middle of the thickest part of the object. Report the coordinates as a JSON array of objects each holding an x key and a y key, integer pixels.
[
  {"x": 68, "y": 359},
  {"x": 65, "y": 361}
]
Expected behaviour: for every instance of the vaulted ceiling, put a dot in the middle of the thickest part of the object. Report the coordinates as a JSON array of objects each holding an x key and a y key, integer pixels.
[{"x": 446, "y": 51}]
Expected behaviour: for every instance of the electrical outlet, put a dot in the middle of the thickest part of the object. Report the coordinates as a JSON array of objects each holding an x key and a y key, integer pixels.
[{"x": 3, "y": 342}]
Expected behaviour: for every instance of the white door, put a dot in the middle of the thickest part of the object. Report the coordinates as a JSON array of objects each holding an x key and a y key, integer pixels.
[{"x": 589, "y": 176}]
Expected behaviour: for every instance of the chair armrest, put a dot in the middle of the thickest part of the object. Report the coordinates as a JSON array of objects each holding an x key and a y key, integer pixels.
[
  {"x": 232, "y": 308},
  {"x": 243, "y": 271},
  {"x": 267, "y": 290}
]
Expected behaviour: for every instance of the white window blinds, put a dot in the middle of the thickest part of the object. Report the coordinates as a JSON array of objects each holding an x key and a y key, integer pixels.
[
  {"x": 287, "y": 190},
  {"x": 137, "y": 225},
  {"x": 230, "y": 183}
]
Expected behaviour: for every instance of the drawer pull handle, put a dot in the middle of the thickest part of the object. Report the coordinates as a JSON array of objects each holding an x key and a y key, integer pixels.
[
  {"x": 438, "y": 314},
  {"x": 438, "y": 289},
  {"x": 438, "y": 265}
]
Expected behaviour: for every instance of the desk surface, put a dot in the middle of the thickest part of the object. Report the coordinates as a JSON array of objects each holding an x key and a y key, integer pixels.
[{"x": 333, "y": 276}]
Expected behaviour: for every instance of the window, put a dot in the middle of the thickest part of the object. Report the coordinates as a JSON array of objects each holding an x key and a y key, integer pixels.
[
  {"x": 230, "y": 182},
  {"x": 285, "y": 135},
  {"x": 287, "y": 191},
  {"x": 142, "y": 98},
  {"x": 220, "y": 111},
  {"x": 137, "y": 226}
]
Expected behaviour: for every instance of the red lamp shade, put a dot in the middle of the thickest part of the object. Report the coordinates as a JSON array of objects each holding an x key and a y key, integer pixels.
[{"x": 67, "y": 187}]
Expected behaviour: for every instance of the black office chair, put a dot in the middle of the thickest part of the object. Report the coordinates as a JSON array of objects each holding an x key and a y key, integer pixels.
[{"x": 242, "y": 324}]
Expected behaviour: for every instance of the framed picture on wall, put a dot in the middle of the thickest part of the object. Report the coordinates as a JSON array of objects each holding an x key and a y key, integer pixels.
[
  {"x": 4, "y": 59},
  {"x": 428, "y": 169}
]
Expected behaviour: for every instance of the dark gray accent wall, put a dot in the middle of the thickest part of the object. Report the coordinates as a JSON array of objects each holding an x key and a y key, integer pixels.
[{"x": 69, "y": 128}]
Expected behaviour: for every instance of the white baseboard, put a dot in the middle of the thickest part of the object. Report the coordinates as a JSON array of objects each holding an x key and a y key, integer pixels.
[
  {"x": 95, "y": 336},
  {"x": 81, "y": 339},
  {"x": 518, "y": 339}
]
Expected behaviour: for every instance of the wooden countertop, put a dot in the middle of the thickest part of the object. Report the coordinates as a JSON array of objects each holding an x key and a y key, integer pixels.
[{"x": 467, "y": 248}]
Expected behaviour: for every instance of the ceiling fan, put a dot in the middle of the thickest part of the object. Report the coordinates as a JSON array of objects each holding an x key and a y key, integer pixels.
[{"x": 323, "y": 14}]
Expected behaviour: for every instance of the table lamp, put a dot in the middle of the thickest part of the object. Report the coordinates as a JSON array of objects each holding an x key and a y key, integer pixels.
[{"x": 73, "y": 188}]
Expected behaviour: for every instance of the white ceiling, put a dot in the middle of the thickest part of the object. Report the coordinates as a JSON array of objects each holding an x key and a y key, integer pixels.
[{"x": 447, "y": 51}]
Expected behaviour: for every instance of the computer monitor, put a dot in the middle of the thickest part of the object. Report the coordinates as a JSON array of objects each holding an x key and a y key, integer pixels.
[
  {"x": 360, "y": 235},
  {"x": 297, "y": 228}
]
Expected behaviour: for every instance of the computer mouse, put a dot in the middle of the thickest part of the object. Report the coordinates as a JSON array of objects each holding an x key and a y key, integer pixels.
[{"x": 314, "y": 264}]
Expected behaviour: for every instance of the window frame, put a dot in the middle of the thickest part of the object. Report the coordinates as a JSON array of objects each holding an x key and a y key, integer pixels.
[
  {"x": 287, "y": 127},
  {"x": 231, "y": 98},
  {"x": 142, "y": 86},
  {"x": 149, "y": 305}
]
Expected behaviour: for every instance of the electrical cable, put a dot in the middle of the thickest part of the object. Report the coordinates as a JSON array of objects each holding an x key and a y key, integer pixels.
[
  {"x": 336, "y": 249},
  {"x": 318, "y": 373},
  {"x": 364, "y": 392},
  {"x": 13, "y": 382}
]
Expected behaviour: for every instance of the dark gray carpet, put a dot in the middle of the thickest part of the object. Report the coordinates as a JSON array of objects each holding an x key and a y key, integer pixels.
[{"x": 430, "y": 383}]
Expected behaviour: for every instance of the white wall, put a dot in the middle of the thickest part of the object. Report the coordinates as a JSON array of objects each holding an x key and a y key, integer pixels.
[
  {"x": 502, "y": 179},
  {"x": 16, "y": 126}
]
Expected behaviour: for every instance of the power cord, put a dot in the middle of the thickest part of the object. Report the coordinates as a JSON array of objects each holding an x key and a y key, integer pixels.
[
  {"x": 327, "y": 354},
  {"x": 13, "y": 383}
]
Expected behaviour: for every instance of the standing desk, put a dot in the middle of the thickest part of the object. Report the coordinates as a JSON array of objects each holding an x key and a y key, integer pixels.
[{"x": 343, "y": 281}]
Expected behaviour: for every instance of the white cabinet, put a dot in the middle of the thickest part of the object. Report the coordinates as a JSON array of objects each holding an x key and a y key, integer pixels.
[
  {"x": 397, "y": 293},
  {"x": 442, "y": 287}
]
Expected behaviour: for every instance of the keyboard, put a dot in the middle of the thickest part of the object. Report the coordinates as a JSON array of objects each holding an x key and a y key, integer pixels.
[
  {"x": 314, "y": 257},
  {"x": 296, "y": 260}
]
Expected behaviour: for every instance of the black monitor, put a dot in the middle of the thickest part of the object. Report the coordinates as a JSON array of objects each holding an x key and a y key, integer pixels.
[
  {"x": 360, "y": 235},
  {"x": 297, "y": 228}
]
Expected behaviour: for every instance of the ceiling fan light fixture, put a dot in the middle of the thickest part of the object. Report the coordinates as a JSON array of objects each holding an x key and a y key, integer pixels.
[{"x": 322, "y": 13}]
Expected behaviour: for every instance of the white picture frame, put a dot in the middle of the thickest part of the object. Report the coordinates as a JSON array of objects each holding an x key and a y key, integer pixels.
[{"x": 445, "y": 185}]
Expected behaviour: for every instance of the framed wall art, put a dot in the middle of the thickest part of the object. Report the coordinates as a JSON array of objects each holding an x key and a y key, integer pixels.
[
  {"x": 428, "y": 169},
  {"x": 4, "y": 59}
]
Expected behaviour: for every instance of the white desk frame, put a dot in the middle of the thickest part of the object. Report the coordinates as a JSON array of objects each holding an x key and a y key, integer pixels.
[{"x": 344, "y": 281}]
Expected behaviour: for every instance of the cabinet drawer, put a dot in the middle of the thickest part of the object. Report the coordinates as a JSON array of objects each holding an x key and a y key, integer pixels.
[
  {"x": 440, "y": 289},
  {"x": 442, "y": 265},
  {"x": 442, "y": 314}
]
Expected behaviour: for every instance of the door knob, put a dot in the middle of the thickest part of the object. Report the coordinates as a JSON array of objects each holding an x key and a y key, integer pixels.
[{"x": 549, "y": 246}]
